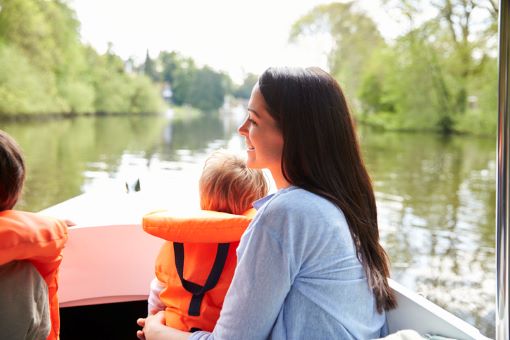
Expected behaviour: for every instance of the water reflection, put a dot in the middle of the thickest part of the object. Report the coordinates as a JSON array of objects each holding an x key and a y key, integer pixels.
[
  {"x": 436, "y": 197},
  {"x": 193, "y": 135},
  {"x": 67, "y": 157},
  {"x": 436, "y": 214}
]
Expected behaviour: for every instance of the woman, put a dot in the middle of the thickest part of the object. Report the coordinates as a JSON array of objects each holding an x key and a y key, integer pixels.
[{"x": 310, "y": 265}]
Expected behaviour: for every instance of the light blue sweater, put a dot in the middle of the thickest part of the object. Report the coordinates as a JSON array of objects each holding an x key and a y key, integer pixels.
[{"x": 297, "y": 276}]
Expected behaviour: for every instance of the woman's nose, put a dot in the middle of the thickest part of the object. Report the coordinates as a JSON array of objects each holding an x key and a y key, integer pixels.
[{"x": 242, "y": 128}]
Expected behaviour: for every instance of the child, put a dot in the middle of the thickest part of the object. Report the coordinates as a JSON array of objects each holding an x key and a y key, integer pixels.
[
  {"x": 194, "y": 269},
  {"x": 27, "y": 241}
]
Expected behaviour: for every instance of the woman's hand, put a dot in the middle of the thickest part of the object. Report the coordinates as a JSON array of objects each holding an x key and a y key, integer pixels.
[
  {"x": 154, "y": 328},
  {"x": 139, "y": 334},
  {"x": 141, "y": 322}
]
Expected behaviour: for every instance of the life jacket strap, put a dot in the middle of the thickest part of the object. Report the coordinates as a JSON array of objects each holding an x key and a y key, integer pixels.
[{"x": 197, "y": 290}]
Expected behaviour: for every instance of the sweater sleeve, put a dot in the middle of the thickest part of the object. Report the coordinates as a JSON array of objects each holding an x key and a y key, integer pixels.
[
  {"x": 260, "y": 285},
  {"x": 23, "y": 302},
  {"x": 154, "y": 303}
]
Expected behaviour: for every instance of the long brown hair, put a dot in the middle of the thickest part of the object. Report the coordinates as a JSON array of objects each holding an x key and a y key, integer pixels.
[{"x": 321, "y": 154}]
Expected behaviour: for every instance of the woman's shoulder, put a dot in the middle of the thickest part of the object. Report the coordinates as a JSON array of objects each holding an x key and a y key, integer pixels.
[
  {"x": 297, "y": 205},
  {"x": 305, "y": 218},
  {"x": 298, "y": 199}
]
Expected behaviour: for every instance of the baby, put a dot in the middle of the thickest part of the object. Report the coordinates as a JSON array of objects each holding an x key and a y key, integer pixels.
[{"x": 195, "y": 267}]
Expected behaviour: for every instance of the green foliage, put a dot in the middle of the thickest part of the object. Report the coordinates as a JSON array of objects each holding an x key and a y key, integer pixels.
[
  {"x": 24, "y": 88},
  {"x": 483, "y": 104},
  {"x": 170, "y": 62},
  {"x": 149, "y": 68},
  {"x": 374, "y": 93},
  {"x": 202, "y": 88},
  {"x": 80, "y": 96},
  {"x": 183, "y": 78},
  {"x": 439, "y": 76},
  {"x": 207, "y": 90},
  {"x": 44, "y": 68},
  {"x": 244, "y": 90},
  {"x": 355, "y": 38},
  {"x": 24, "y": 24},
  {"x": 144, "y": 98},
  {"x": 113, "y": 93}
]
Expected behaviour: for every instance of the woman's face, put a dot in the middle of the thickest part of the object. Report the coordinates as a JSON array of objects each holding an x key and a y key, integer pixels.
[{"x": 264, "y": 140}]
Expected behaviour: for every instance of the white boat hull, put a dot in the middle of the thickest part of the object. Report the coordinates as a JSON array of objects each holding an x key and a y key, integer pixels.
[{"x": 109, "y": 259}]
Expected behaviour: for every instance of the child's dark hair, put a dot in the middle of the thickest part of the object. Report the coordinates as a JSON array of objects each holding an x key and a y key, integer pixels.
[
  {"x": 228, "y": 185},
  {"x": 12, "y": 171}
]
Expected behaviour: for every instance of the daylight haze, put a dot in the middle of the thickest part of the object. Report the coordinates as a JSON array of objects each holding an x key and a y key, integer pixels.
[{"x": 232, "y": 36}]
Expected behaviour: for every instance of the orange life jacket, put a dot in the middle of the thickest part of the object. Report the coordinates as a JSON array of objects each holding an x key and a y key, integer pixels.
[
  {"x": 38, "y": 239},
  {"x": 197, "y": 264}
]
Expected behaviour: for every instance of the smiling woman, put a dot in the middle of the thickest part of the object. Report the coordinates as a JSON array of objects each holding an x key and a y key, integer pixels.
[
  {"x": 310, "y": 264},
  {"x": 263, "y": 138}
]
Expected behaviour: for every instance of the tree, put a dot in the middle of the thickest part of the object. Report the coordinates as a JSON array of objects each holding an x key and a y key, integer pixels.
[
  {"x": 149, "y": 68},
  {"x": 44, "y": 68},
  {"x": 463, "y": 35},
  {"x": 169, "y": 64},
  {"x": 202, "y": 88},
  {"x": 431, "y": 77},
  {"x": 208, "y": 90},
  {"x": 183, "y": 78},
  {"x": 355, "y": 38},
  {"x": 244, "y": 90}
]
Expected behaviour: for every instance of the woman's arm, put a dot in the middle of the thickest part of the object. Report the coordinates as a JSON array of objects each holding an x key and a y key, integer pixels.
[{"x": 261, "y": 282}]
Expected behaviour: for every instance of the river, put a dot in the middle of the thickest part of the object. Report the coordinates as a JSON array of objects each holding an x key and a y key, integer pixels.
[{"x": 435, "y": 196}]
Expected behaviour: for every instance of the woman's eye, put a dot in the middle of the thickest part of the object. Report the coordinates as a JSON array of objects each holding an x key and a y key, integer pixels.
[{"x": 249, "y": 120}]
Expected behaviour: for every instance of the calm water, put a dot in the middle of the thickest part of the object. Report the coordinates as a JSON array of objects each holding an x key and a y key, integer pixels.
[{"x": 436, "y": 197}]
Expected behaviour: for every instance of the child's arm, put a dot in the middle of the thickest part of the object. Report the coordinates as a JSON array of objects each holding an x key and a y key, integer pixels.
[{"x": 154, "y": 302}]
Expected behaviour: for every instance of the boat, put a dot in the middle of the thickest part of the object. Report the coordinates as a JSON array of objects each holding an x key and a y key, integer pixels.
[
  {"x": 108, "y": 260},
  {"x": 109, "y": 263}
]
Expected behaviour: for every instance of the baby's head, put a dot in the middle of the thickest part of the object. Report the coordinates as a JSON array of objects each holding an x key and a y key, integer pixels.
[
  {"x": 227, "y": 185},
  {"x": 12, "y": 171}
]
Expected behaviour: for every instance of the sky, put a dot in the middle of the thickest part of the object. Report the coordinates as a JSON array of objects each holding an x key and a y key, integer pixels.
[{"x": 236, "y": 37}]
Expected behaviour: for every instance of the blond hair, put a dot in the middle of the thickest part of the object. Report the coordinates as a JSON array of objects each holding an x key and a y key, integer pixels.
[{"x": 228, "y": 185}]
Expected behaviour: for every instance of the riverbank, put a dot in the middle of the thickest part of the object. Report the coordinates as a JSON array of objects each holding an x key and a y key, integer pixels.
[
  {"x": 12, "y": 118},
  {"x": 188, "y": 112},
  {"x": 470, "y": 124}
]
